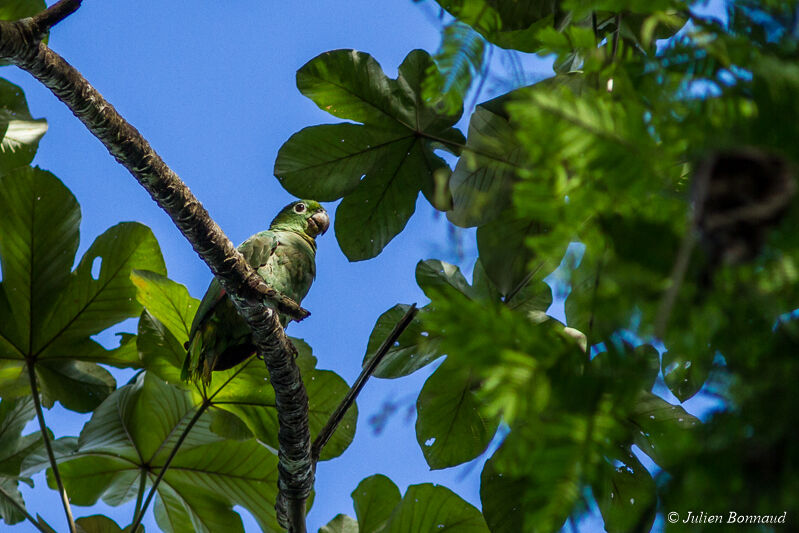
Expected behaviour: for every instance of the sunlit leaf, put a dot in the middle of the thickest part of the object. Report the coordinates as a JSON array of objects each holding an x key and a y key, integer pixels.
[
  {"x": 167, "y": 301},
  {"x": 136, "y": 429},
  {"x": 250, "y": 396},
  {"x": 19, "y": 132},
  {"x": 340, "y": 524}
]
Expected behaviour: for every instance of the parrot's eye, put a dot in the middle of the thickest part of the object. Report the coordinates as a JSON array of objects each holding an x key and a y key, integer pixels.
[{"x": 299, "y": 208}]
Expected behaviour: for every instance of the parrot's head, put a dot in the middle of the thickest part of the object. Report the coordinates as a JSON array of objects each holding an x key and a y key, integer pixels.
[{"x": 303, "y": 216}]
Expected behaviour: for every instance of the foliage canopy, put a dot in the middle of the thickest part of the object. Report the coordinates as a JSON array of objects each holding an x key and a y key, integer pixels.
[{"x": 685, "y": 283}]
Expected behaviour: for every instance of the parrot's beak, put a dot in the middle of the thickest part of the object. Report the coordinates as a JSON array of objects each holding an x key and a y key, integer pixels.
[{"x": 319, "y": 222}]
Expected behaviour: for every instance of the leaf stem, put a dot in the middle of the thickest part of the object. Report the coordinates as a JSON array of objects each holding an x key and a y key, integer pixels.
[
  {"x": 338, "y": 415},
  {"x": 140, "y": 496},
  {"x": 46, "y": 438},
  {"x": 22, "y": 509},
  {"x": 140, "y": 515}
]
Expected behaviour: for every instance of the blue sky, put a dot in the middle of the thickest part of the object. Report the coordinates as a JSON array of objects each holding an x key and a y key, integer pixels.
[{"x": 211, "y": 85}]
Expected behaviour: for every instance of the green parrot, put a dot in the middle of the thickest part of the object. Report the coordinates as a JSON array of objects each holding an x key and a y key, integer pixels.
[{"x": 284, "y": 256}]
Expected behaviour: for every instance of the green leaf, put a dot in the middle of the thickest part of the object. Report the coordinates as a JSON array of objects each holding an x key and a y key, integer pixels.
[
  {"x": 502, "y": 245},
  {"x": 506, "y": 24},
  {"x": 340, "y": 524},
  {"x": 374, "y": 500},
  {"x": 378, "y": 167},
  {"x": 662, "y": 430},
  {"x": 167, "y": 301},
  {"x": 101, "y": 524},
  {"x": 348, "y": 84},
  {"x": 502, "y": 499},
  {"x": 450, "y": 428},
  {"x": 136, "y": 428},
  {"x": 484, "y": 175},
  {"x": 685, "y": 375},
  {"x": 414, "y": 349},
  {"x": 159, "y": 350},
  {"x": 18, "y": 9},
  {"x": 434, "y": 276},
  {"x": 38, "y": 241},
  {"x": 245, "y": 391},
  {"x": 9, "y": 493},
  {"x": 428, "y": 507},
  {"x": 47, "y": 313},
  {"x": 626, "y": 496},
  {"x": 459, "y": 59},
  {"x": 19, "y": 132},
  {"x": 78, "y": 385},
  {"x": 88, "y": 305},
  {"x": 14, "y": 415}
]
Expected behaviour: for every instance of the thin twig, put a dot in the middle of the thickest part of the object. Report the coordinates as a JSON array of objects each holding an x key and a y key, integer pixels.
[
  {"x": 46, "y": 438},
  {"x": 55, "y": 14},
  {"x": 22, "y": 509},
  {"x": 200, "y": 410},
  {"x": 337, "y": 416}
]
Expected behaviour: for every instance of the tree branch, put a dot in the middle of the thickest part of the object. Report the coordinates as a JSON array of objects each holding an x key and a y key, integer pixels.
[
  {"x": 55, "y": 14},
  {"x": 338, "y": 415},
  {"x": 46, "y": 438},
  {"x": 20, "y": 43}
]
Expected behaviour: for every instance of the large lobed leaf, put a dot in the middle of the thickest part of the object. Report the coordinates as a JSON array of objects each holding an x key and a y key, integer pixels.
[
  {"x": 133, "y": 432},
  {"x": 49, "y": 314},
  {"x": 378, "y": 167}
]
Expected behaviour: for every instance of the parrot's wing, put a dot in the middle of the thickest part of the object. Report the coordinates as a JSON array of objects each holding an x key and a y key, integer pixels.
[
  {"x": 212, "y": 297},
  {"x": 256, "y": 251}
]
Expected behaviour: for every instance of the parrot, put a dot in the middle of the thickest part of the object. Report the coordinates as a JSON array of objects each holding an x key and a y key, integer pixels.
[{"x": 285, "y": 257}]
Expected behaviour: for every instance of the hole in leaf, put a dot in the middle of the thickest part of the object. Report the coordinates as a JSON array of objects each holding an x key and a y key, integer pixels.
[
  {"x": 96, "y": 266},
  {"x": 430, "y": 441}
]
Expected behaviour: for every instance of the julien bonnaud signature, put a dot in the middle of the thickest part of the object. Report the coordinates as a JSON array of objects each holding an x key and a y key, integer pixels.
[{"x": 731, "y": 517}]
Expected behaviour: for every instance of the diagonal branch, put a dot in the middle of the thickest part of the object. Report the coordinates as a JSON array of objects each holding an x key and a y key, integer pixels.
[
  {"x": 20, "y": 43},
  {"x": 338, "y": 415}
]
